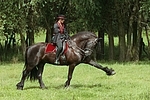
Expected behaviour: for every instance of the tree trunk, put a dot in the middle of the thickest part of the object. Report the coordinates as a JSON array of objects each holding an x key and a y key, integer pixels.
[
  {"x": 122, "y": 46},
  {"x": 148, "y": 40},
  {"x": 147, "y": 36},
  {"x": 30, "y": 27},
  {"x": 23, "y": 43},
  {"x": 111, "y": 47},
  {"x": 130, "y": 35},
  {"x": 137, "y": 32},
  {"x": 134, "y": 33},
  {"x": 129, "y": 44},
  {"x": 111, "y": 44},
  {"x": 100, "y": 50},
  {"x": 120, "y": 20},
  {"x": 49, "y": 31},
  {"x": 136, "y": 47}
]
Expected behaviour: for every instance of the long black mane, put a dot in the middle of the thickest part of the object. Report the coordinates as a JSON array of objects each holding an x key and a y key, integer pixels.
[{"x": 83, "y": 35}]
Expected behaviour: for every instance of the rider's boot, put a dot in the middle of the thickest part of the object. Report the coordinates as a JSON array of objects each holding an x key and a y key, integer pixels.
[
  {"x": 57, "y": 61},
  {"x": 57, "y": 57}
]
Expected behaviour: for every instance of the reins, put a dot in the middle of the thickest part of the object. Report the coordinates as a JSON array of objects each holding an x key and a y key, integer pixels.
[{"x": 73, "y": 45}]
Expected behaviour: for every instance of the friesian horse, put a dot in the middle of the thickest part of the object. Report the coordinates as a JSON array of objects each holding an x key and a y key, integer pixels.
[{"x": 80, "y": 48}]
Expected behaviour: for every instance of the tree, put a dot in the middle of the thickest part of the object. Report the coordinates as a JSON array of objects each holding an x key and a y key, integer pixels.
[
  {"x": 12, "y": 22},
  {"x": 123, "y": 19}
]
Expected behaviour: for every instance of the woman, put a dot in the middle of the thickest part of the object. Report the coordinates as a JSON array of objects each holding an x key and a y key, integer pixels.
[{"x": 60, "y": 34}]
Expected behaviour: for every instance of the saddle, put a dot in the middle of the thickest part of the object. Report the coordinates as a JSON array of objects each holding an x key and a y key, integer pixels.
[{"x": 50, "y": 47}]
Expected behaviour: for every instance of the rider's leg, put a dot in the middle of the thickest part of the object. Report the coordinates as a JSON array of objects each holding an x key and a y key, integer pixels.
[{"x": 58, "y": 52}]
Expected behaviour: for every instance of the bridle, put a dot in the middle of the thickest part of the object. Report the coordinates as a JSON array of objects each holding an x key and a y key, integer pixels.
[{"x": 89, "y": 49}]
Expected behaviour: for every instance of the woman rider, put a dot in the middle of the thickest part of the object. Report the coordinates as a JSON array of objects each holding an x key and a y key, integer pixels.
[{"x": 60, "y": 34}]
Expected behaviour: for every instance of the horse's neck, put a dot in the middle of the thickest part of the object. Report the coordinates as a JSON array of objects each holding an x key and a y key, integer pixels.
[
  {"x": 71, "y": 43},
  {"x": 76, "y": 45},
  {"x": 75, "y": 48}
]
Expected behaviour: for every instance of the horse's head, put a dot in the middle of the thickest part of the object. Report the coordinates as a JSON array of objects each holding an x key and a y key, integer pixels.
[{"x": 91, "y": 43}]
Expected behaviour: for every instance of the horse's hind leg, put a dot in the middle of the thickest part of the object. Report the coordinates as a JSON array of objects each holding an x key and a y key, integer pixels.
[
  {"x": 40, "y": 72},
  {"x": 20, "y": 85}
]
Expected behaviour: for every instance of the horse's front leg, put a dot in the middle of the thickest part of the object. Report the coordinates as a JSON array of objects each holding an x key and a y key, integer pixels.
[
  {"x": 105, "y": 69},
  {"x": 70, "y": 73}
]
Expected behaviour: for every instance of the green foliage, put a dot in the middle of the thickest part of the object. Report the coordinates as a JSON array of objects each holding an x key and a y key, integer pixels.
[
  {"x": 89, "y": 14},
  {"x": 12, "y": 16},
  {"x": 145, "y": 9},
  {"x": 22, "y": 16}
]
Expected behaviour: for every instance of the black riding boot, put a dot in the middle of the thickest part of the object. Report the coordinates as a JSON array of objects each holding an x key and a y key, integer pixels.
[
  {"x": 58, "y": 53},
  {"x": 57, "y": 58}
]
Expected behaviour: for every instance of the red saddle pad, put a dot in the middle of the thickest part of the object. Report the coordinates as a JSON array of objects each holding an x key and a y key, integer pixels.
[{"x": 50, "y": 48}]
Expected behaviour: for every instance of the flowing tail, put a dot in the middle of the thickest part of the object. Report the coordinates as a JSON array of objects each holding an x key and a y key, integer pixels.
[{"x": 33, "y": 73}]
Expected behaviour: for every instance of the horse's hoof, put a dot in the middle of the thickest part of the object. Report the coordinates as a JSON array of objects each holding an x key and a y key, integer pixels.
[
  {"x": 19, "y": 88},
  {"x": 111, "y": 72},
  {"x": 66, "y": 86},
  {"x": 43, "y": 88}
]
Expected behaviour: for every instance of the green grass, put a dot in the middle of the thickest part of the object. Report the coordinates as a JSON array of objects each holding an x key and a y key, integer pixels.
[{"x": 130, "y": 83}]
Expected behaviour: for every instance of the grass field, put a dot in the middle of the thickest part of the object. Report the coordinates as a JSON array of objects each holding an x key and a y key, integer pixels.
[{"x": 132, "y": 82}]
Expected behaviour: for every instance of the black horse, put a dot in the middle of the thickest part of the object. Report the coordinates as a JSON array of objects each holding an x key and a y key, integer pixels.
[{"x": 79, "y": 50}]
